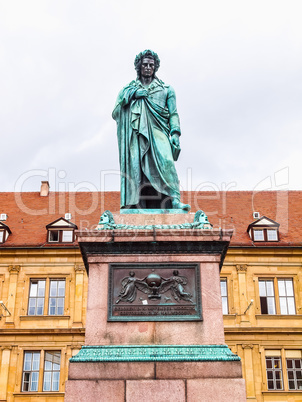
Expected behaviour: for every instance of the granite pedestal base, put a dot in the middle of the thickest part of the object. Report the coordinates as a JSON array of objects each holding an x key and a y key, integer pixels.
[
  {"x": 156, "y": 381},
  {"x": 155, "y": 360}
]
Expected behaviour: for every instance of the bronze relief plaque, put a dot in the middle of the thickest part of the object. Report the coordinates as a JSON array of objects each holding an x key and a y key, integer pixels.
[{"x": 154, "y": 292}]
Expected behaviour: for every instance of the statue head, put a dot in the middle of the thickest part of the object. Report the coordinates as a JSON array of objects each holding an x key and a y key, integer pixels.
[
  {"x": 201, "y": 217},
  {"x": 146, "y": 54},
  {"x": 107, "y": 217}
]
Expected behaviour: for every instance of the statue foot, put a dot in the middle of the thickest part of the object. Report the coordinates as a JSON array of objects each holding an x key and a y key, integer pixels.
[{"x": 176, "y": 204}]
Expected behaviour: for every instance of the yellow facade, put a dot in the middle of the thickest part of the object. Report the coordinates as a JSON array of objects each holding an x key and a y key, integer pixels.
[
  {"x": 22, "y": 333},
  {"x": 255, "y": 336},
  {"x": 250, "y": 334}
]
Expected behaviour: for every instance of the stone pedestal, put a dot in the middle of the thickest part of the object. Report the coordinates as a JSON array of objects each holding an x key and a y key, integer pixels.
[{"x": 174, "y": 359}]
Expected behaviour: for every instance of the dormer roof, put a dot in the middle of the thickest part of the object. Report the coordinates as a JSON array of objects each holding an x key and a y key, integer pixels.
[
  {"x": 3, "y": 226},
  {"x": 61, "y": 223},
  {"x": 263, "y": 222}
]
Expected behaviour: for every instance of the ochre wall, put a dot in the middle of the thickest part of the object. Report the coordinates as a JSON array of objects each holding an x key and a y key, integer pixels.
[
  {"x": 20, "y": 332},
  {"x": 251, "y": 335}
]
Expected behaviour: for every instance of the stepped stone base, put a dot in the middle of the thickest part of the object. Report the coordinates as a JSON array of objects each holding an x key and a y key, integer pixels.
[{"x": 156, "y": 381}]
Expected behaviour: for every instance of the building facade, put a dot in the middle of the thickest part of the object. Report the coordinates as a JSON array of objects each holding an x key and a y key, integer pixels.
[{"x": 44, "y": 287}]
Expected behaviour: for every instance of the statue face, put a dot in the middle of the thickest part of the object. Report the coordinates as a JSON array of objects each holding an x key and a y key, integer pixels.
[
  {"x": 147, "y": 67},
  {"x": 104, "y": 218}
]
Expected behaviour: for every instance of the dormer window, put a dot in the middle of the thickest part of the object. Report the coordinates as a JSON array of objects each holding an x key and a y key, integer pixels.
[
  {"x": 258, "y": 234},
  {"x": 61, "y": 231},
  {"x": 264, "y": 229},
  {"x": 272, "y": 234},
  {"x": 4, "y": 232}
]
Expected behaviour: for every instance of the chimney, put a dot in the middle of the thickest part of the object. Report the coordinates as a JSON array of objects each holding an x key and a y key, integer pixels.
[{"x": 44, "y": 189}]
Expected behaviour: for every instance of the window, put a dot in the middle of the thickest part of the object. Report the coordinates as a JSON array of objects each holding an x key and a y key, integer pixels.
[
  {"x": 60, "y": 236},
  {"x": 53, "y": 236},
  {"x": 284, "y": 364},
  {"x": 56, "y": 297},
  {"x": 284, "y": 289},
  {"x": 224, "y": 296},
  {"x": 294, "y": 373},
  {"x": 272, "y": 235},
  {"x": 4, "y": 231},
  {"x": 265, "y": 234},
  {"x": 258, "y": 235},
  {"x": 286, "y": 296},
  {"x": 32, "y": 371},
  {"x": 52, "y": 290},
  {"x": 51, "y": 371},
  {"x": 67, "y": 236},
  {"x": 274, "y": 373},
  {"x": 36, "y": 297},
  {"x": 267, "y": 297}
]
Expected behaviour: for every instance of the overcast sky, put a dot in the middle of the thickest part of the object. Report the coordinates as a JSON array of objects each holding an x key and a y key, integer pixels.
[{"x": 236, "y": 67}]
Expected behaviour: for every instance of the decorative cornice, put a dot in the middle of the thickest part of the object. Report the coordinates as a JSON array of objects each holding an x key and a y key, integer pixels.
[
  {"x": 6, "y": 347},
  {"x": 247, "y": 346},
  {"x": 14, "y": 269},
  {"x": 79, "y": 268},
  {"x": 203, "y": 247},
  {"x": 154, "y": 353},
  {"x": 77, "y": 346},
  {"x": 241, "y": 268}
]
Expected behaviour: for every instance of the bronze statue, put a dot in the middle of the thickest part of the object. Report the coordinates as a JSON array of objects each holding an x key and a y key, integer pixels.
[{"x": 148, "y": 133}]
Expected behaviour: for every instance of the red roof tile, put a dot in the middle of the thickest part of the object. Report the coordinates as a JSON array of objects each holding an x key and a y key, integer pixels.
[{"x": 29, "y": 213}]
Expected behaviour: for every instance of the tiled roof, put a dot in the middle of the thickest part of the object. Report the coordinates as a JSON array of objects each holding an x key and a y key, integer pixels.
[{"x": 29, "y": 213}]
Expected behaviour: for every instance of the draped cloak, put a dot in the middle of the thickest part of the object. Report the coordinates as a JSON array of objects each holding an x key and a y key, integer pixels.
[{"x": 144, "y": 128}]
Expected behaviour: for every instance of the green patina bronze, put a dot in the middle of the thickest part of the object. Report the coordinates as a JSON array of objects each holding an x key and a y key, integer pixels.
[
  {"x": 200, "y": 222},
  {"x": 148, "y": 133},
  {"x": 157, "y": 353}
]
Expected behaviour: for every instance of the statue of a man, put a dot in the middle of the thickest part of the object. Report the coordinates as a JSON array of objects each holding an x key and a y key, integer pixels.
[{"x": 148, "y": 133}]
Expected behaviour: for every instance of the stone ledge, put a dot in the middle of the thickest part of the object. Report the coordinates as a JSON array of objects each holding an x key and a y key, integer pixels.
[
  {"x": 154, "y": 353},
  {"x": 154, "y": 370}
]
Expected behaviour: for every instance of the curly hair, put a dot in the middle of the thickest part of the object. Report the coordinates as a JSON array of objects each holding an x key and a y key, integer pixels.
[{"x": 146, "y": 53}]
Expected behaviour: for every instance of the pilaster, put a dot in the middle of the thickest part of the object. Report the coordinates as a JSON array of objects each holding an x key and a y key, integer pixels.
[
  {"x": 249, "y": 371},
  {"x": 12, "y": 291},
  {"x": 243, "y": 302},
  {"x": 5, "y": 361},
  {"x": 78, "y": 296}
]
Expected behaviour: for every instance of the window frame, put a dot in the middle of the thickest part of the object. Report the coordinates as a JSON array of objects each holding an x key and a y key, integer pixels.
[
  {"x": 52, "y": 280},
  {"x": 5, "y": 230},
  {"x": 41, "y": 370},
  {"x": 287, "y": 297},
  {"x": 52, "y": 371},
  {"x": 282, "y": 353},
  {"x": 274, "y": 370},
  {"x": 294, "y": 371},
  {"x": 275, "y": 280},
  {"x": 225, "y": 280},
  {"x": 267, "y": 296},
  {"x": 32, "y": 281},
  {"x": 32, "y": 352},
  {"x": 48, "y": 279},
  {"x": 265, "y": 234},
  {"x": 60, "y": 235}
]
